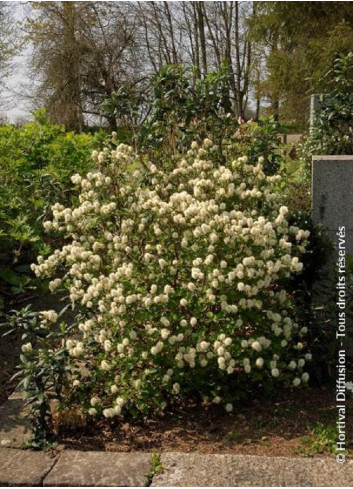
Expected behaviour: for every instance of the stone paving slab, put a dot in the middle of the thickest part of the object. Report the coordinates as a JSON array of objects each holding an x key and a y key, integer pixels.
[
  {"x": 216, "y": 470},
  {"x": 23, "y": 467},
  {"x": 14, "y": 425},
  {"x": 102, "y": 469}
]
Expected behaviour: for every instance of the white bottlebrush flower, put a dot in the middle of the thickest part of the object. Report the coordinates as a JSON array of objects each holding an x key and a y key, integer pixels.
[
  {"x": 305, "y": 377},
  {"x": 256, "y": 345},
  {"x": 50, "y": 316},
  {"x": 292, "y": 365},
  {"x": 193, "y": 321},
  {"x": 247, "y": 369},
  {"x": 94, "y": 401},
  {"x": 27, "y": 348},
  {"x": 275, "y": 372},
  {"x": 259, "y": 362},
  {"x": 105, "y": 365}
]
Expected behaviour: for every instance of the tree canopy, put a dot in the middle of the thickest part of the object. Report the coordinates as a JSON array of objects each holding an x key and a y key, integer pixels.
[{"x": 273, "y": 53}]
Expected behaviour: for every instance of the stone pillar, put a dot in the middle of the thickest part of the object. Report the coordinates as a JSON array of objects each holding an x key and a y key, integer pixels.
[
  {"x": 332, "y": 207},
  {"x": 332, "y": 195},
  {"x": 314, "y": 105}
]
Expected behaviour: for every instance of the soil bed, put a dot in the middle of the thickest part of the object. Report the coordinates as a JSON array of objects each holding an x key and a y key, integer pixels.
[
  {"x": 9, "y": 357},
  {"x": 281, "y": 426}
]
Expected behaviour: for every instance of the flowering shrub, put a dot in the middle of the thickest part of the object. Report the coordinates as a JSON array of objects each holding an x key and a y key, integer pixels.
[{"x": 176, "y": 277}]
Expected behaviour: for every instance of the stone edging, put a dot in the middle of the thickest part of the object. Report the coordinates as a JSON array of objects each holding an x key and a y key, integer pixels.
[{"x": 133, "y": 469}]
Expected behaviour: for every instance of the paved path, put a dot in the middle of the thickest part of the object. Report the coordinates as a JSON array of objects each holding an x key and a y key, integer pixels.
[
  {"x": 14, "y": 425},
  {"x": 111, "y": 469}
]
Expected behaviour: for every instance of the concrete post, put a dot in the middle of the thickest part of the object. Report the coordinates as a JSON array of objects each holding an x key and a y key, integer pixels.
[
  {"x": 314, "y": 105},
  {"x": 332, "y": 195},
  {"x": 332, "y": 207}
]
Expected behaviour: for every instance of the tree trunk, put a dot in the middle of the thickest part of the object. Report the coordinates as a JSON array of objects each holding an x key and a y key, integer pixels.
[
  {"x": 275, "y": 109},
  {"x": 73, "y": 116},
  {"x": 201, "y": 30}
]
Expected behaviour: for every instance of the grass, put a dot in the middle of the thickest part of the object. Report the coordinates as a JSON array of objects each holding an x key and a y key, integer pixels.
[
  {"x": 156, "y": 464},
  {"x": 321, "y": 439}
]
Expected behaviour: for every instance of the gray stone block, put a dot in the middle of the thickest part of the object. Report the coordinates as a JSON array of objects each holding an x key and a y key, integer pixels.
[
  {"x": 14, "y": 423},
  {"x": 100, "y": 469},
  {"x": 216, "y": 470},
  {"x": 23, "y": 467},
  {"x": 332, "y": 194},
  {"x": 314, "y": 105}
]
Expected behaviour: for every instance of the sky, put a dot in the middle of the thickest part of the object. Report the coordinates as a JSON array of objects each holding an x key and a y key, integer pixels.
[{"x": 15, "y": 101}]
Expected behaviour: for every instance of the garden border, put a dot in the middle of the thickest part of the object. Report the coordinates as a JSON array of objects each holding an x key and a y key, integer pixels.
[{"x": 134, "y": 469}]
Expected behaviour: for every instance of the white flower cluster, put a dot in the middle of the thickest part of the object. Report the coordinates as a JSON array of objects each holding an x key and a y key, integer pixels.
[{"x": 176, "y": 276}]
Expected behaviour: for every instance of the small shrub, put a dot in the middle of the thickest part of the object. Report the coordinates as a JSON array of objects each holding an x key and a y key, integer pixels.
[{"x": 41, "y": 368}]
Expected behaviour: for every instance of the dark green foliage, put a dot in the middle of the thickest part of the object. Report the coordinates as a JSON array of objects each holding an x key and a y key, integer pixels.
[
  {"x": 42, "y": 370},
  {"x": 180, "y": 109},
  {"x": 315, "y": 295},
  {"x": 183, "y": 109},
  {"x": 261, "y": 139},
  {"x": 333, "y": 132}
]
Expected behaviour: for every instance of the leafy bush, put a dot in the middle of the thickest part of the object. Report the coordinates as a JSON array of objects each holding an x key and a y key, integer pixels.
[
  {"x": 181, "y": 108},
  {"x": 41, "y": 376},
  {"x": 332, "y": 133},
  {"x": 176, "y": 278},
  {"x": 260, "y": 138},
  {"x": 36, "y": 163}
]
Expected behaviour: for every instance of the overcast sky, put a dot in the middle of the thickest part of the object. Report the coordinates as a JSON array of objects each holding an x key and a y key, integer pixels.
[{"x": 15, "y": 99}]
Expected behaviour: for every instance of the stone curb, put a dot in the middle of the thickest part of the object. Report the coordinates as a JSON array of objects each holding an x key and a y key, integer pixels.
[
  {"x": 227, "y": 470},
  {"x": 100, "y": 469},
  {"x": 14, "y": 424},
  {"x": 23, "y": 467},
  {"x": 133, "y": 469}
]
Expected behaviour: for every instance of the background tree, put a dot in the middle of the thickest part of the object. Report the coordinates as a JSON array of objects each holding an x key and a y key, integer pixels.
[
  {"x": 205, "y": 35},
  {"x": 273, "y": 52},
  {"x": 299, "y": 41},
  {"x": 56, "y": 58},
  {"x": 9, "y": 42},
  {"x": 83, "y": 52}
]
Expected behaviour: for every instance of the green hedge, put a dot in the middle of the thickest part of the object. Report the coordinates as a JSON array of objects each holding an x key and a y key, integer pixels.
[{"x": 36, "y": 163}]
